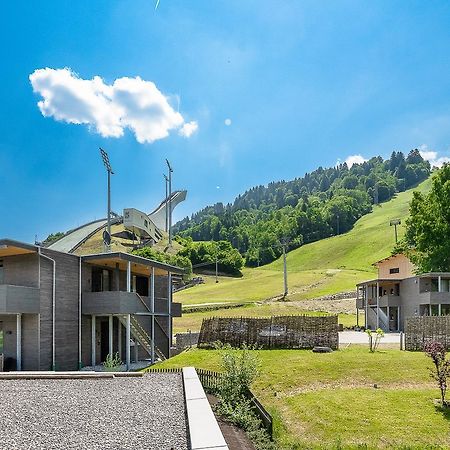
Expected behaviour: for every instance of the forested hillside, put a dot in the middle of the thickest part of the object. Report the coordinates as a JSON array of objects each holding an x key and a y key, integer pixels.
[{"x": 321, "y": 204}]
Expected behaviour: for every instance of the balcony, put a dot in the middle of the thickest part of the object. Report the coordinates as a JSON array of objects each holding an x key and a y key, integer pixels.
[
  {"x": 385, "y": 300},
  {"x": 434, "y": 297},
  {"x": 19, "y": 299},
  {"x": 118, "y": 302}
]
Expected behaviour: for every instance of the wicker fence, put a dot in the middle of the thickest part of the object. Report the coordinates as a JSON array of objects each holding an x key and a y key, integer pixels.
[
  {"x": 419, "y": 330},
  {"x": 299, "y": 332}
]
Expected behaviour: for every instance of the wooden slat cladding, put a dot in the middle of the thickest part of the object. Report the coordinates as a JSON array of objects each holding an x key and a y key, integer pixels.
[{"x": 66, "y": 310}]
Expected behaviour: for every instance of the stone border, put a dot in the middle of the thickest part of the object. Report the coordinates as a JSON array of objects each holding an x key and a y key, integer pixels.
[
  {"x": 76, "y": 375},
  {"x": 204, "y": 431}
]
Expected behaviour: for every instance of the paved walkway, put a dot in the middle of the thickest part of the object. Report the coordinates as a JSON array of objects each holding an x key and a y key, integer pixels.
[{"x": 360, "y": 337}]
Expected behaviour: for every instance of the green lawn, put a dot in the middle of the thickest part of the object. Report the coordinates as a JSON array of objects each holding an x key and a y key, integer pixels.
[
  {"x": 328, "y": 266},
  {"x": 322, "y": 400},
  {"x": 193, "y": 321}
]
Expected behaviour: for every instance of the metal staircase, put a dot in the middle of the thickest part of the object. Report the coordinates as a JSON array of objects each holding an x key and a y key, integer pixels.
[
  {"x": 383, "y": 321},
  {"x": 140, "y": 334}
]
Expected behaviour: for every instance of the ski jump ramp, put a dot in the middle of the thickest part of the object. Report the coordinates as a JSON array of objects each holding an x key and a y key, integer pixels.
[
  {"x": 158, "y": 216},
  {"x": 74, "y": 238}
]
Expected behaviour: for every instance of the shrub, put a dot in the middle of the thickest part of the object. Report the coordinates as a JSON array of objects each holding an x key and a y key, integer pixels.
[
  {"x": 112, "y": 362},
  {"x": 241, "y": 367},
  {"x": 441, "y": 370},
  {"x": 166, "y": 258}
]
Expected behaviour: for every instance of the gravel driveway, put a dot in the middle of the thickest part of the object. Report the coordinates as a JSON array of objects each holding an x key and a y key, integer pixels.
[{"x": 120, "y": 413}]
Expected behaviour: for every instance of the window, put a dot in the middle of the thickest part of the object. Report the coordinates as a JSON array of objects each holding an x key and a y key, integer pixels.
[
  {"x": 101, "y": 280},
  {"x": 394, "y": 270},
  {"x": 434, "y": 309}
]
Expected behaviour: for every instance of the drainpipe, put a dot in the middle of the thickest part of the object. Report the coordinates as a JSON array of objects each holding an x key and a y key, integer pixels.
[{"x": 53, "y": 305}]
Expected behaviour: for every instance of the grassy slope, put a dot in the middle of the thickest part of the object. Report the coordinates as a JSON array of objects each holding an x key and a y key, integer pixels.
[
  {"x": 326, "y": 399},
  {"x": 95, "y": 243},
  {"x": 327, "y": 266}
]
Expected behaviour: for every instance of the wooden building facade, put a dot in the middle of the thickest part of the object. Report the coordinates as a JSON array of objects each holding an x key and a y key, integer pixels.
[
  {"x": 398, "y": 293},
  {"x": 59, "y": 311}
]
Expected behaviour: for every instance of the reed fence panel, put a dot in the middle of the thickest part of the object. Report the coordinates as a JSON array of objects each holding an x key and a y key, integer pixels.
[{"x": 294, "y": 332}]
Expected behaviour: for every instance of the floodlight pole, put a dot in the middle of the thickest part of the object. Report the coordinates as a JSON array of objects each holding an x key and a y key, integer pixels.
[
  {"x": 109, "y": 207},
  {"x": 109, "y": 171},
  {"x": 170, "y": 201},
  {"x": 217, "y": 269},
  {"x": 285, "y": 271},
  {"x": 167, "y": 202},
  {"x": 395, "y": 223}
]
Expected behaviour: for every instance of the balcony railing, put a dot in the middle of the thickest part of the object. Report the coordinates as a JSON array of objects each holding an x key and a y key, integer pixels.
[
  {"x": 19, "y": 299},
  {"x": 118, "y": 302}
]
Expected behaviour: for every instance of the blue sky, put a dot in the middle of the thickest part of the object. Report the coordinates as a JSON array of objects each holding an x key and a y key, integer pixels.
[{"x": 304, "y": 83}]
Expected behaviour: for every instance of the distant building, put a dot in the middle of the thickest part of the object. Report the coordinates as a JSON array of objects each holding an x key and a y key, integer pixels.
[
  {"x": 62, "y": 311},
  {"x": 397, "y": 293}
]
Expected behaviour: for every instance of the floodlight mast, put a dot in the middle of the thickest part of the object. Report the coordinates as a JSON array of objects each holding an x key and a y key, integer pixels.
[
  {"x": 170, "y": 201},
  {"x": 110, "y": 172},
  {"x": 167, "y": 202},
  {"x": 395, "y": 223}
]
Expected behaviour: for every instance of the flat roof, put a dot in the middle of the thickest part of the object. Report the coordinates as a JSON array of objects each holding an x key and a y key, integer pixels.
[
  {"x": 381, "y": 280},
  {"x": 422, "y": 275},
  {"x": 121, "y": 258},
  {"x": 9, "y": 247}
]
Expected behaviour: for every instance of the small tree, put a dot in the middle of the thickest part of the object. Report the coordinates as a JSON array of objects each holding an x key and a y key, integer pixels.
[
  {"x": 441, "y": 370},
  {"x": 374, "y": 343}
]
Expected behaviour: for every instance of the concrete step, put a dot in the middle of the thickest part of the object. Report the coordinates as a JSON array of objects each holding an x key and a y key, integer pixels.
[{"x": 44, "y": 375}]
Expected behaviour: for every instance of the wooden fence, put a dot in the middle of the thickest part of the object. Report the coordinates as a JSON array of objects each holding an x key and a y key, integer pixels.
[
  {"x": 422, "y": 329},
  {"x": 295, "y": 332},
  {"x": 211, "y": 381}
]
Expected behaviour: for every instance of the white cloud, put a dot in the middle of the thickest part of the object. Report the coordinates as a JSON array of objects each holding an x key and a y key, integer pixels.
[
  {"x": 352, "y": 159},
  {"x": 432, "y": 156},
  {"x": 188, "y": 129},
  {"x": 227, "y": 122},
  {"x": 108, "y": 109}
]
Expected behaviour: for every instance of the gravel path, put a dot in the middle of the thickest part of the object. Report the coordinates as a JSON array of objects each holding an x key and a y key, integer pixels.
[{"x": 120, "y": 413}]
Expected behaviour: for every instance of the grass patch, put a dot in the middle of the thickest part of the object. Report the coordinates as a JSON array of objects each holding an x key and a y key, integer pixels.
[
  {"x": 327, "y": 400},
  {"x": 193, "y": 321},
  {"x": 324, "y": 267}
]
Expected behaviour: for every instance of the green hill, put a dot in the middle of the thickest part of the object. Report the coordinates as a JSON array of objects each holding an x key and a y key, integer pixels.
[{"x": 324, "y": 267}]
